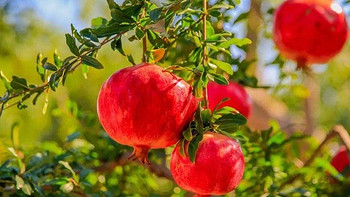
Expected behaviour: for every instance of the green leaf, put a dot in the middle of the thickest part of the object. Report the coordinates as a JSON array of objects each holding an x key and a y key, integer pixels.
[
  {"x": 134, "y": 11},
  {"x": 187, "y": 133},
  {"x": 210, "y": 29},
  {"x": 193, "y": 147},
  {"x": 121, "y": 17},
  {"x": 85, "y": 70},
  {"x": 19, "y": 83},
  {"x": 230, "y": 122},
  {"x": 70, "y": 41},
  {"x": 241, "y": 17},
  {"x": 67, "y": 166},
  {"x": 224, "y": 66},
  {"x": 98, "y": 22},
  {"x": 50, "y": 66},
  {"x": 139, "y": 33},
  {"x": 182, "y": 148},
  {"x": 235, "y": 41},
  {"x": 12, "y": 150},
  {"x": 57, "y": 60},
  {"x": 169, "y": 18},
  {"x": 72, "y": 136},
  {"x": 15, "y": 135},
  {"x": 198, "y": 120},
  {"x": 36, "y": 97},
  {"x": 155, "y": 13},
  {"x": 66, "y": 188},
  {"x": 265, "y": 134},
  {"x": 215, "y": 13},
  {"x": 205, "y": 114},
  {"x": 90, "y": 61},
  {"x": 112, "y": 29},
  {"x": 112, "y": 4},
  {"x": 27, "y": 189},
  {"x": 218, "y": 6},
  {"x": 117, "y": 45},
  {"x": 198, "y": 88},
  {"x": 5, "y": 81},
  {"x": 19, "y": 182},
  {"x": 218, "y": 78},
  {"x": 88, "y": 33},
  {"x": 52, "y": 81},
  {"x": 154, "y": 38},
  {"x": 131, "y": 59}
]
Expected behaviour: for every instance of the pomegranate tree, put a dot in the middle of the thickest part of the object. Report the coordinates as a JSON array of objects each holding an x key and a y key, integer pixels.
[
  {"x": 218, "y": 167},
  {"x": 145, "y": 107},
  {"x": 310, "y": 31},
  {"x": 239, "y": 99},
  {"x": 341, "y": 160}
]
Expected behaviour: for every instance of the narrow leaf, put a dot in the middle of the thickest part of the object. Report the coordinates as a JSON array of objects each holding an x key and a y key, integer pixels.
[
  {"x": 90, "y": 61},
  {"x": 154, "y": 14},
  {"x": 193, "y": 147},
  {"x": 70, "y": 41},
  {"x": 235, "y": 41},
  {"x": 224, "y": 66}
]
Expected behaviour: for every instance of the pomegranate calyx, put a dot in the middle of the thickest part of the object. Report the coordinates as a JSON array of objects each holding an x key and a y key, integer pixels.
[{"x": 140, "y": 153}]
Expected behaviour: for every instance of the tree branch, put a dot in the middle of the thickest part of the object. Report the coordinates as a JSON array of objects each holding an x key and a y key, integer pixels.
[
  {"x": 336, "y": 130},
  {"x": 159, "y": 170}
]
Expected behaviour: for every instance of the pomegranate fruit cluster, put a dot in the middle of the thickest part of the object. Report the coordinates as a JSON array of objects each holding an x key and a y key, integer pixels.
[
  {"x": 310, "y": 31},
  {"x": 146, "y": 107}
]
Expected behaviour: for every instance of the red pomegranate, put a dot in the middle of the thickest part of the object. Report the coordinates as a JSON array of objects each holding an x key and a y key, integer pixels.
[
  {"x": 239, "y": 99},
  {"x": 145, "y": 107},
  {"x": 217, "y": 170},
  {"x": 310, "y": 31},
  {"x": 341, "y": 160}
]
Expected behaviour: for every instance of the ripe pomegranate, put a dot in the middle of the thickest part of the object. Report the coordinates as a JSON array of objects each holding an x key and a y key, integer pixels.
[
  {"x": 310, "y": 31},
  {"x": 341, "y": 160},
  {"x": 145, "y": 107},
  {"x": 239, "y": 99},
  {"x": 217, "y": 170}
]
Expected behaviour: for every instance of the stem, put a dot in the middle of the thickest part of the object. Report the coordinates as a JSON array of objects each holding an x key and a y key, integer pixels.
[
  {"x": 144, "y": 39},
  {"x": 204, "y": 32},
  {"x": 205, "y": 52}
]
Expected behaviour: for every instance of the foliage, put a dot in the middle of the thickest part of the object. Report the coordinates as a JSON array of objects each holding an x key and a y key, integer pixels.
[{"x": 88, "y": 162}]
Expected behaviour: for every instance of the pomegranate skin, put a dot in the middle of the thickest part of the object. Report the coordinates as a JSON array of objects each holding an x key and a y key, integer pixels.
[
  {"x": 217, "y": 170},
  {"x": 239, "y": 99},
  {"x": 145, "y": 107},
  {"x": 310, "y": 31},
  {"x": 341, "y": 160}
]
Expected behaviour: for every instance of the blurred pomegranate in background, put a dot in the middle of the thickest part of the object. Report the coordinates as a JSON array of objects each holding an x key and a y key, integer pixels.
[
  {"x": 310, "y": 31},
  {"x": 239, "y": 99},
  {"x": 341, "y": 161}
]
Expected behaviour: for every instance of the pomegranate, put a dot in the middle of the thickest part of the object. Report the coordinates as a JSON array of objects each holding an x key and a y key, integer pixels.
[
  {"x": 218, "y": 167},
  {"x": 239, "y": 99},
  {"x": 145, "y": 107},
  {"x": 341, "y": 160},
  {"x": 310, "y": 31}
]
